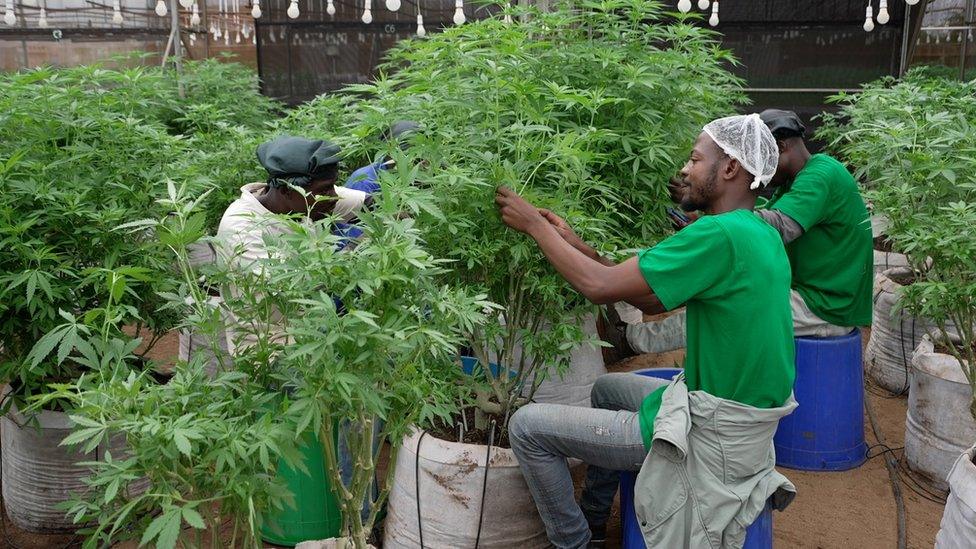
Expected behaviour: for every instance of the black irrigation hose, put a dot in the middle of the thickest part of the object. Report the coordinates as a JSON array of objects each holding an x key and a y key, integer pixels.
[
  {"x": 484, "y": 486},
  {"x": 886, "y": 450},
  {"x": 892, "y": 476},
  {"x": 416, "y": 476}
]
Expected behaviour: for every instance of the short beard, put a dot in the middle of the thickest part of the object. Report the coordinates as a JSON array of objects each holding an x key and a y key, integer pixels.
[{"x": 691, "y": 204}]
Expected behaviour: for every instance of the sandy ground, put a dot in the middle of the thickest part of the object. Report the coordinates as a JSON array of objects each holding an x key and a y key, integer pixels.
[{"x": 851, "y": 509}]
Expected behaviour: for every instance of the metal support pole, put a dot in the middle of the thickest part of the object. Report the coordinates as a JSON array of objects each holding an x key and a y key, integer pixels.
[
  {"x": 965, "y": 40},
  {"x": 206, "y": 27},
  {"x": 906, "y": 33},
  {"x": 174, "y": 8}
]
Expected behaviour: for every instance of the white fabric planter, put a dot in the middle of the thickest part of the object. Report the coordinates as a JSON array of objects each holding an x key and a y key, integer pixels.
[
  {"x": 895, "y": 334},
  {"x": 585, "y": 365},
  {"x": 958, "y": 528},
  {"x": 38, "y": 474},
  {"x": 573, "y": 387},
  {"x": 452, "y": 479},
  {"x": 938, "y": 427}
]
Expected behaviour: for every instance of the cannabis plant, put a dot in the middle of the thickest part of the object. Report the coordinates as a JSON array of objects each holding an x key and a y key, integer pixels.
[
  {"x": 85, "y": 150},
  {"x": 913, "y": 143},
  {"x": 586, "y": 110},
  {"x": 364, "y": 338}
]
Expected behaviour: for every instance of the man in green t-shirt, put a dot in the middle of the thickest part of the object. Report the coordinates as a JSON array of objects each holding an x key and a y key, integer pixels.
[
  {"x": 818, "y": 211},
  {"x": 730, "y": 271}
]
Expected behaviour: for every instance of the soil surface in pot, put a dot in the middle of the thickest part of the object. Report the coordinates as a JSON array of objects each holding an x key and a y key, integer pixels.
[
  {"x": 452, "y": 431},
  {"x": 882, "y": 244},
  {"x": 942, "y": 348},
  {"x": 902, "y": 279}
]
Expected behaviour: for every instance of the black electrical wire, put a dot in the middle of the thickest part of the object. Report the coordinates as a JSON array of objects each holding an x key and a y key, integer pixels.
[
  {"x": 416, "y": 472},
  {"x": 484, "y": 484},
  {"x": 886, "y": 450}
]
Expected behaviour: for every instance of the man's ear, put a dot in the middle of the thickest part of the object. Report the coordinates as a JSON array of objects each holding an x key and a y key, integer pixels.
[
  {"x": 731, "y": 169},
  {"x": 782, "y": 145}
]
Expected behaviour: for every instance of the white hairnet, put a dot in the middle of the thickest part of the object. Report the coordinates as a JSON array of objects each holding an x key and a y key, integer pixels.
[{"x": 747, "y": 139}]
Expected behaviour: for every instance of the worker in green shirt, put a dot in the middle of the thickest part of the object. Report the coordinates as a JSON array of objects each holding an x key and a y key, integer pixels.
[
  {"x": 822, "y": 219},
  {"x": 730, "y": 270},
  {"x": 818, "y": 211}
]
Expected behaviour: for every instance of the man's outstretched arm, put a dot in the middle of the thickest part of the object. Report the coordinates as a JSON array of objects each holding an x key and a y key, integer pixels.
[{"x": 601, "y": 282}]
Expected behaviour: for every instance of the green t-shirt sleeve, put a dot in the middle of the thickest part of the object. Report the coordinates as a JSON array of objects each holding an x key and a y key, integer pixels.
[
  {"x": 807, "y": 200},
  {"x": 688, "y": 264}
]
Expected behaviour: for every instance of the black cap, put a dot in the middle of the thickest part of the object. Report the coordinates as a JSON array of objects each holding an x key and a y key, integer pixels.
[{"x": 783, "y": 123}]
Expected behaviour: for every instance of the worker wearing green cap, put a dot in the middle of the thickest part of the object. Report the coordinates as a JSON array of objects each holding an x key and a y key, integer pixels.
[{"x": 301, "y": 181}]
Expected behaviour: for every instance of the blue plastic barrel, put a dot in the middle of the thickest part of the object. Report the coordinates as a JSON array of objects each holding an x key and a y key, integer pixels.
[
  {"x": 826, "y": 432},
  {"x": 663, "y": 373},
  {"x": 759, "y": 535},
  {"x": 471, "y": 366}
]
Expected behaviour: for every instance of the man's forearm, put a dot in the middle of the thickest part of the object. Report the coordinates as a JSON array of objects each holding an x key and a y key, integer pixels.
[{"x": 585, "y": 270}]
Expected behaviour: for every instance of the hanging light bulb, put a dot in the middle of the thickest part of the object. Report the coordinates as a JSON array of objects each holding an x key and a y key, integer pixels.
[
  {"x": 293, "y": 12},
  {"x": 421, "y": 31},
  {"x": 703, "y": 4},
  {"x": 868, "y": 18},
  {"x": 393, "y": 5},
  {"x": 883, "y": 17},
  {"x": 911, "y": 2},
  {"x": 195, "y": 17},
  {"x": 42, "y": 18},
  {"x": 713, "y": 20},
  {"x": 459, "y": 12},
  {"x": 330, "y": 8},
  {"x": 684, "y": 6},
  {"x": 161, "y": 8},
  {"x": 256, "y": 9},
  {"x": 116, "y": 12},
  {"x": 367, "y": 12},
  {"x": 185, "y": 4}
]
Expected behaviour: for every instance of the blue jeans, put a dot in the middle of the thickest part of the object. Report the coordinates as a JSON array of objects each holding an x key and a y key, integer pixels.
[{"x": 607, "y": 437}]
